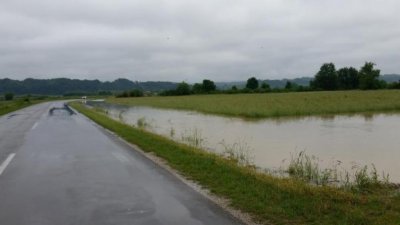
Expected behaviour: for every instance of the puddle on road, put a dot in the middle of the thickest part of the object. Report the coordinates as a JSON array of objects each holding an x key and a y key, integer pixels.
[
  {"x": 354, "y": 140},
  {"x": 65, "y": 110},
  {"x": 12, "y": 115}
]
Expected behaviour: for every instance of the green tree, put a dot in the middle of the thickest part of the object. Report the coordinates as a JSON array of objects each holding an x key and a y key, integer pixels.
[
  {"x": 326, "y": 78},
  {"x": 394, "y": 85},
  {"x": 348, "y": 78},
  {"x": 265, "y": 86},
  {"x": 252, "y": 83},
  {"x": 288, "y": 85},
  {"x": 136, "y": 93},
  {"x": 208, "y": 86},
  {"x": 197, "y": 88},
  {"x": 8, "y": 96},
  {"x": 368, "y": 76},
  {"x": 183, "y": 89}
]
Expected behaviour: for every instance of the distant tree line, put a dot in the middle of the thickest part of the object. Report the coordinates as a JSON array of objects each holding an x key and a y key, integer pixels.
[
  {"x": 255, "y": 86},
  {"x": 24, "y": 98},
  {"x": 206, "y": 87},
  {"x": 132, "y": 93},
  {"x": 347, "y": 78},
  {"x": 327, "y": 78}
]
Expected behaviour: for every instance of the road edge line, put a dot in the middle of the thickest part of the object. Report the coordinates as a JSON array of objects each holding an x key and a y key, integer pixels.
[{"x": 6, "y": 162}]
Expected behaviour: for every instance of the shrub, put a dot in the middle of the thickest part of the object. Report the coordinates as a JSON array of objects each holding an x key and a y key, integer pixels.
[
  {"x": 9, "y": 96},
  {"x": 133, "y": 93},
  {"x": 136, "y": 93}
]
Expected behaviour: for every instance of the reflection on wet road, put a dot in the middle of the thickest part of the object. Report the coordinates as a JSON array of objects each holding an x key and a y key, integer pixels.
[{"x": 58, "y": 168}]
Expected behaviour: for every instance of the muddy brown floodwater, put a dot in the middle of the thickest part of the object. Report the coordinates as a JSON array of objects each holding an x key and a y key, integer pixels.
[{"x": 269, "y": 143}]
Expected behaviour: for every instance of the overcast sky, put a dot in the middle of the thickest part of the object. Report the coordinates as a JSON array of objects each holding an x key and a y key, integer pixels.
[{"x": 187, "y": 40}]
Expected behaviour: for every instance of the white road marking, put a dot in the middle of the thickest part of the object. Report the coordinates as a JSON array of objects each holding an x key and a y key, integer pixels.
[
  {"x": 34, "y": 126},
  {"x": 4, "y": 165}
]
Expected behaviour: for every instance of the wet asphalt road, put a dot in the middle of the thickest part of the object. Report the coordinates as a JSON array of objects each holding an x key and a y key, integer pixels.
[{"x": 61, "y": 169}]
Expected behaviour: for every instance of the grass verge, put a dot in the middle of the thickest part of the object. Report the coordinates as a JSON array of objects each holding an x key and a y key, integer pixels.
[
  {"x": 266, "y": 198},
  {"x": 10, "y": 106},
  {"x": 277, "y": 104}
]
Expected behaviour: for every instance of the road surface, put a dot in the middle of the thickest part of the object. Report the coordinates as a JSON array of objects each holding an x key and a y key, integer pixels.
[{"x": 62, "y": 169}]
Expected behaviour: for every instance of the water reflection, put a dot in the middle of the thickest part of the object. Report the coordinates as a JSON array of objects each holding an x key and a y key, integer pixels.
[{"x": 353, "y": 139}]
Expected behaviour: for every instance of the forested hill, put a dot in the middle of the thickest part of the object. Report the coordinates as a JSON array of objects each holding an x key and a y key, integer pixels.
[{"x": 62, "y": 86}]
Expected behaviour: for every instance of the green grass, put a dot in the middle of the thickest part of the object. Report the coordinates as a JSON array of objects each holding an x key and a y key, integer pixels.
[
  {"x": 10, "y": 106},
  {"x": 277, "y": 104},
  {"x": 266, "y": 198}
]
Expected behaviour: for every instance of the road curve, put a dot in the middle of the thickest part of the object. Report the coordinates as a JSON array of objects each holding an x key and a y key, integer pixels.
[{"x": 61, "y": 169}]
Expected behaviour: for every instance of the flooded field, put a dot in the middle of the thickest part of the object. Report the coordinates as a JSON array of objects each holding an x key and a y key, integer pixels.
[{"x": 269, "y": 143}]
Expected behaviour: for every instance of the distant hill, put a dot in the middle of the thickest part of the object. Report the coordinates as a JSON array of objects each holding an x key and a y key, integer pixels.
[
  {"x": 390, "y": 78},
  {"x": 62, "y": 86}
]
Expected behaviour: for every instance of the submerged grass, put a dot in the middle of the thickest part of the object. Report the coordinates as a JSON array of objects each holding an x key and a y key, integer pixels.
[
  {"x": 277, "y": 104},
  {"x": 268, "y": 199},
  {"x": 193, "y": 138},
  {"x": 358, "y": 179},
  {"x": 240, "y": 152}
]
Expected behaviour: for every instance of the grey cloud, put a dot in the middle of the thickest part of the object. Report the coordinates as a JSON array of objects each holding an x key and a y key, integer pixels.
[{"x": 191, "y": 40}]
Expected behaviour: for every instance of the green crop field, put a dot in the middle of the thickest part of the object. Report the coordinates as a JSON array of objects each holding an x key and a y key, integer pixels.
[{"x": 277, "y": 104}]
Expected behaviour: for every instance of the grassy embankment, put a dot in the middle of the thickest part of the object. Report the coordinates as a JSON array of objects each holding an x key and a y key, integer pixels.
[
  {"x": 277, "y": 104},
  {"x": 267, "y": 198},
  {"x": 10, "y": 106}
]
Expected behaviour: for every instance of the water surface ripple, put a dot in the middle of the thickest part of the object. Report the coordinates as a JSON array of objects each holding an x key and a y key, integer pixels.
[{"x": 354, "y": 140}]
